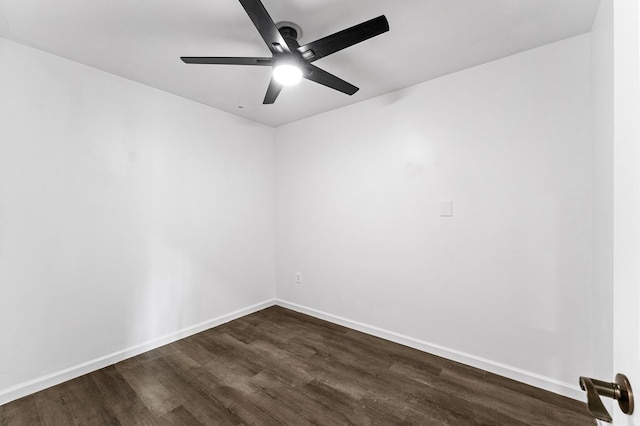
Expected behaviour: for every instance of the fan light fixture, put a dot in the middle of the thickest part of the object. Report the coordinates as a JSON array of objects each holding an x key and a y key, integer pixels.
[{"x": 287, "y": 74}]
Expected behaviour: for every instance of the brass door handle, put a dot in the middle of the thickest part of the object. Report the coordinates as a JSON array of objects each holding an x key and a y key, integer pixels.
[{"x": 620, "y": 390}]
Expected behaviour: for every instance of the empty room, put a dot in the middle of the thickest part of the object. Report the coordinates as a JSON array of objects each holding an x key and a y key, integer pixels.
[{"x": 260, "y": 212}]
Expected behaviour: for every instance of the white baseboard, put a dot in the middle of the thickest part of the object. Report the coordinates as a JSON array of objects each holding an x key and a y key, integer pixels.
[
  {"x": 527, "y": 377},
  {"x": 41, "y": 383},
  {"x": 533, "y": 379}
]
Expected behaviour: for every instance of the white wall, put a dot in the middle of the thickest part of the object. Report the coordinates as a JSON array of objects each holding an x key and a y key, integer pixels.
[
  {"x": 127, "y": 215},
  {"x": 506, "y": 283}
]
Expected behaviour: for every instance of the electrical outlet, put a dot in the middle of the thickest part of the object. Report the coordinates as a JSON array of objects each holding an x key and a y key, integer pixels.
[{"x": 299, "y": 277}]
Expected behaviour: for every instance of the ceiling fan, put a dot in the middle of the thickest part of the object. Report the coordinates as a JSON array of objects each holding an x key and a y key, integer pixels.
[{"x": 289, "y": 60}]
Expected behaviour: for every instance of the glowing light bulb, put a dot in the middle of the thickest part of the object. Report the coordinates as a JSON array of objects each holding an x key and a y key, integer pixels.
[{"x": 287, "y": 74}]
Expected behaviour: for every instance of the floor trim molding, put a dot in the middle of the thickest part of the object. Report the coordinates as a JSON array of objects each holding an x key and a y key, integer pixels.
[
  {"x": 41, "y": 383},
  {"x": 533, "y": 379},
  {"x": 504, "y": 370}
]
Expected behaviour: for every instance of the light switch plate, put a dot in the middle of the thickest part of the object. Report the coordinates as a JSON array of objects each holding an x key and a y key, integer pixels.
[{"x": 446, "y": 208}]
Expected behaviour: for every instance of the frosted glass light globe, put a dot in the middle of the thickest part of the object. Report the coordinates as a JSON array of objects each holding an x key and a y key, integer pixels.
[{"x": 287, "y": 75}]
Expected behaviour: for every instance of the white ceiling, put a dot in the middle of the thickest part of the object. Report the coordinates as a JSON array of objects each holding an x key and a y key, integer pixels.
[{"x": 142, "y": 40}]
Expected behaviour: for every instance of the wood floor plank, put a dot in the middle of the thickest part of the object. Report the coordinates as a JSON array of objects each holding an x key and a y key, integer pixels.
[
  {"x": 503, "y": 400},
  {"x": 23, "y": 411},
  {"x": 245, "y": 407},
  {"x": 197, "y": 403},
  {"x": 278, "y": 366},
  {"x": 52, "y": 408},
  {"x": 180, "y": 416},
  {"x": 75, "y": 402},
  {"x": 144, "y": 379},
  {"x": 124, "y": 402}
]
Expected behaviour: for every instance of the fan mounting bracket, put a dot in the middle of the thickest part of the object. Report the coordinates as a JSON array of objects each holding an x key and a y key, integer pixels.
[{"x": 289, "y": 30}]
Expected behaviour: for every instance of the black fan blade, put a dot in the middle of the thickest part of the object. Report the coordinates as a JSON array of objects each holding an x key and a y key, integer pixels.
[
  {"x": 226, "y": 60},
  {"x": 265, "y": 25},
  {"x": 272, "y": 91},
  {"x": 327, "y": 79},
  {"x": 343, "y": 39}
]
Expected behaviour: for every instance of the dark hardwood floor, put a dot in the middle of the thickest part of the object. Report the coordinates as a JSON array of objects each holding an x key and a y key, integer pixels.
[{"x": 281, "y": 367}]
